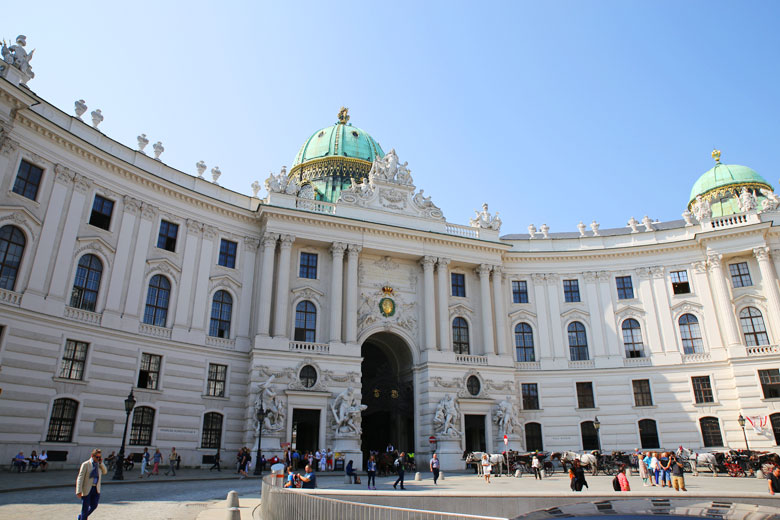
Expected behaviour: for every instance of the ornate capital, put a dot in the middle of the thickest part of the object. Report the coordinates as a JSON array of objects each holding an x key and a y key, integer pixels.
[
  {"x": 337, "y": 249},
  {"x": 251, "y": 243},
  {"x": 443, "y": 263},
  {"x": 498, "y": 271},
  {"x": 589, "y": 276},
  {"x": 82, "y": 183},
  {"x": 552, "y": 278},
  {"x": 193, "y": 226},
  {"x": 8, "y": 146},
  {"x": 131, "y": 205},
  {"x": 657, "y": 271},
  {"x": 537, "y": 278},
  {"x": 483, "y": 270},
  {"x": 209, "y": 232},
  {"x": 427, "y": 263},
  {"x": 713, "y": 261},
  {"x": 644, "y": 272},
  {"x": 63, "y": 174},
  {"x": 148, "y": 211},
  {"x": 700, "y": 267},
  {"x": 286, "y": 241},
  {"x": 354, "y": 250},
  {"x": 269, "y": 240},
  {"x": 761, "y": 253},
  {"x": 603, "y": 276}
]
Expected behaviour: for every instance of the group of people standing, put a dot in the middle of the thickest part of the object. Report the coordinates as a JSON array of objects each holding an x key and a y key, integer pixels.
[
  {"x": 664, "y": 467},
  {"x": 154, "y": 460},
  {"x": 320, "y": 460}
]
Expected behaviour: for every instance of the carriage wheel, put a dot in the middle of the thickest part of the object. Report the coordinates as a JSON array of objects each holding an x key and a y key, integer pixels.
[
  {"x": 549, "y": 470},
  {"x": 610, "y": 470},
  {"x": 687, "y": 468}
]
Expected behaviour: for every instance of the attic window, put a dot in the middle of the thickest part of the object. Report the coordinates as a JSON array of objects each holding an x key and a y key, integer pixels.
[
  {"x": 321, "y": 134},
  {"x": 354, "y": 133}
]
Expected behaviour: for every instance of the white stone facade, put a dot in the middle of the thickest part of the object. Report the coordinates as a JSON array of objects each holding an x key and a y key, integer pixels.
[{"x": 383, "y": 235}]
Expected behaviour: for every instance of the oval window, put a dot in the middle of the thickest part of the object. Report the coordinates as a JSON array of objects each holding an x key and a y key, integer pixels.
[
  {"x": 473, "y": 385},
  {"x": 308, "y": 376}
]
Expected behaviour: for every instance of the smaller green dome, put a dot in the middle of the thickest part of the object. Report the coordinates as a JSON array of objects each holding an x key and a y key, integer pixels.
[
  {"x": 339, "y": 140},
  {"x": 723, "y": 175}
]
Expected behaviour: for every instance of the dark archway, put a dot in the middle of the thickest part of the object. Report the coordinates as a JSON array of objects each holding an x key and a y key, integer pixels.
[{"x": 388, "y": 392}]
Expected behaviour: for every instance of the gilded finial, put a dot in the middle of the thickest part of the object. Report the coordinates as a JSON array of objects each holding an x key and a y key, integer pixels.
[
  {"x": 343, "y": 116},
  {"x": 716, "y": 155}
]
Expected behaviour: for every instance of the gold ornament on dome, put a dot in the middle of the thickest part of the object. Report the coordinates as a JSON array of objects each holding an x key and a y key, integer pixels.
[
  {"x": 343, "y": 116},
  {"x": 716, "y": 155}
]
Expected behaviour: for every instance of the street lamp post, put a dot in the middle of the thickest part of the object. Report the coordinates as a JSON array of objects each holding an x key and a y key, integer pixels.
[
  {"x": 260, "y": 412},
  {"x": 741, "y": 421},
  {"x": 596, "y": 426},
  {"x": 120, "y": 463}
]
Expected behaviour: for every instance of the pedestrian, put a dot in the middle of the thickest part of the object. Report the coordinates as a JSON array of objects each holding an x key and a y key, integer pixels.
[
  {"x": 578, "y": 477},
  {"x": 536, "y": 466},
  {"x": 239, "y": 458},
  {"x": 486, "y": 467},
  {"x": 295, "y": 458},
  {"x": 156, "y": 459},
  {"x": 435, "y": 465},
  {"x": 88, "y": 483},
  {"x": 246, "y": 458},
  {"x": 216, "y": 462},
  {"x": 774, "y": 480},
  {"x": 329, "y": 459},
  {"x": 309, "y": 480},
  {"x": 172, "y": 460},
  {"x": 323, "y": 463},
  {"x": 399, "y": 467},
  {"x": 642, "y": 468},
  {"x": 655, "y": 468},
  {"x": 145, "y": 458},
  {"x": 290, "y": 480},
  {"x": 371, "y": 470},
  {"x": 678, "y": 477},
  {"x": 666, "y": 472},
  {"x": 623, "y": 479}
]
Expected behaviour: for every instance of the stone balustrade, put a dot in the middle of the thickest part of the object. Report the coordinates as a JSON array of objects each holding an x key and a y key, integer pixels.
[
  {"x": 224, "y": 343},
  {"x": 467, "y": 359},
  {"x": 763, "y": 350},
  {"x": 462, "y": 231},
  {"x": 583, "y": 363},
  {"x": 698, "y": 357},
  {"x": 637, "y": 362},
  {"x": 528, "y": 365},
  {"x": 305, "y": 346},
  {"x": 10, "y": 297},
  {"x": 81, "y": 315},
  {"x": 157, "y": 332},
  {"x": 316, "y": 206}
]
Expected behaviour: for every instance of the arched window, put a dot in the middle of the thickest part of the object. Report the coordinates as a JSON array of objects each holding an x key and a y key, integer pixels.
[
  {"x": 12, "y": 243},
  {"x": 524, "y": 342},
  {"x": 710, "y": 432},
  {"x": 212, "y": 431},
  {"x": 305, "y": 322},
  {"x": 753, "y": 327},
  {"x": 690, "y": 334},
  {"x": 590, "y": 436},
  {"x": 221, "y": 311},
  {"x": 87, "y": 283},
  {"x": 157, "y": 299},
  {"x": 533, "y": 437},
  {"x": 632, "y": 339},
  {"x": 648, "y": 434},
  {"x": 143, "y": 423},
  {"x": 775, "y": 420},
  {"x": 460, "y": 336},
  {"x": 63, "y": 420},
  {"x": 578, "y": 342}
]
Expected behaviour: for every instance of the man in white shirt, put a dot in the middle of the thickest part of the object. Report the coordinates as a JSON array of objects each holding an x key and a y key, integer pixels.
[{"x": 88, "y": 483}]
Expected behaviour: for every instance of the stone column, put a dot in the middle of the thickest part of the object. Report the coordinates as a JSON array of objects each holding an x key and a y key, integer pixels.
[
  {"x": 443, "y": 304},
  {"x": 613, "y": 336},
  {"x": 336, "y": 289},
  {"x": 487, "y": 311},
  {"x": 62, "y": 267},
  {"x": 560, "y": 339},
  {"x": 429, "y": 311},
  {"x": 266, "y": 284},
  {"x": 188, "y": 278},
  {"x": 498, "y": 304},
  {"x": 136, "y": 288},
  {"x": 248, "y": 271},
  {"x": 201, "y": 304},
  {"x": 596, "y": 343},
  {"x": 724, "y": 306},
  {"x": 769, "y": 283},
  {"x": 125, "y": 244},
  {"x": 545, "y": 348},
  {"x": 352, "y": 292},
  {"x": 283, "y": 286}
]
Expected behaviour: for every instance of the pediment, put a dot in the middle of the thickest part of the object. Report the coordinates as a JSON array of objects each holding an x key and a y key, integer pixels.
[
  {"x": 575, "y": 313},
  {"x": 20, "y": 216},
  {"x": 460, "y": 308},
  {"x": 95, "y": 244},
  {"x": 224, "y": 280},
  {"x": 630, "y": 310},
  {"x": 748, "y": 298},
  {"x": 307, "y": 291},
  {"x": 686, "y": 306},
  {"x": 522, "y": 313},
  {"x": 162, "y": 265}
]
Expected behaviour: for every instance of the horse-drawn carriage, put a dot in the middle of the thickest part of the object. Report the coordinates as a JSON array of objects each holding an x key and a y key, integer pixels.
[{"x": 519, "y": 461}]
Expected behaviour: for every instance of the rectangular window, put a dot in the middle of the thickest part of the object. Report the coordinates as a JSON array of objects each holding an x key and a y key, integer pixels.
[
  {"x": 702, "y": 390},
  {"x": 585, "y": 395},
  {"x": 308, "y": 268},
  {"x": 571, "y": 290},
  {"x": 530, "y": 396},
  {"x": 740, "y": 275},
  {"x": 458, "y": 284},
  {"x": 680, "y": 283},
  {"x": 102, "y": 209},
  {"x": 167, "y": 237},
  {"x": 519, "y": 291},
  {"x": 73, "y": 360},
  {"x": 227, "y": 253},
  {"x": 770, "y": 383},
  {"x": 625, "y": 287},
  {"x": 642, "y": 395},
  {"x": 28, "y": 179},
  {"x": 217, "y": 379},
  {"x": 149, "y": 374}
]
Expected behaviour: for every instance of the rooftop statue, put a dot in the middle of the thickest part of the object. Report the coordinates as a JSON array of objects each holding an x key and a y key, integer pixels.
[
  {"x": 80, "y": 107},
  {"x": 771, "y": 200},
  {"x": 388, "y": 169},
  {"x": 17, "y": 56},
  {"x": 747, "y": 201},
  {"x": 485, "y": 220},
  {"x": 702, "y": 209}
]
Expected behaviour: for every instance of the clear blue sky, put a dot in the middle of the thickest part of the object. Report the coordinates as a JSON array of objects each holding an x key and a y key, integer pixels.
[{"x": 552, "y": 112}]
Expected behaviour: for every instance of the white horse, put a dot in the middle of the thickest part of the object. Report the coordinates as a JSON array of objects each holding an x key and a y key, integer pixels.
[
  {"x": 589, "y": 459},
  {"x": 494, "y": 458},
  {"x": 706, "y": 460}
]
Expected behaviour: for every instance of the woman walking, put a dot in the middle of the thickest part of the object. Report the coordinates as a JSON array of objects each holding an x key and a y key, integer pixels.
[
  {"x": 144, "y": 463},
  {"x": 623, "y": 479},
  {"x": 578, "y": 477},
  {"x": 371, "y": 470},
  {"x": 486, "y": 467},
  {"x": 655, "y": 468},
  {"x": 643, "y": 468},
  {"x": 537, "y": 467},
  {"x": 157, "y": 458}
]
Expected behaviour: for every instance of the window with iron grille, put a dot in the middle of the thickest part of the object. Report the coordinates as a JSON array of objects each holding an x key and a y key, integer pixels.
[
  {"x": 533, "y": 437},
  {"x": 227, "y": 253},
  {"x": 305, "y": 322},
  {"x": 680, "y": 284},
  {"x": 710, "y": 432},
  {"x": 460, "y": 336},
  {"x": 530, "y": 396},
  {"x": 102, "y": 208},
  {"x": 149, "y": 373},
  {"x": 73, "y": 360},
  {"x": 753, "y": 327},
  {"x": 519, "y": 291},
  {"x": 690, "y": 333},
  {"x": 578, "y": 342},
  {"x": 308, "y": 376},
  {"x": 585, "y": 395},
  {"x": 142, "y": 426},
  {"x": 702, "y": 389},
  {"x": 12, "y": 242},
  {"x": 308, "y": 267},
  {"x": 473, "y": 385},
  {"x": 217, "y": 380},
  {"x": 632, "y": 338},
  {"x": 524, "y": 342},
  {"x": 212, "y": 431},
  {"x": 28, "y": 179},
  {"x": 63, "y": 420},
  {"x": 458, "y": 284},
  {"x": 625, "y": 287},
  {"x": 571, "y": 290},
  {"x": 740, "y": 275},
  {"x": 642, "y": 395},
  {"x": 221, "y": 312},
  {"x": 157, "y": 298},
  {"x": 87, "y": 283},
  {"x": 166, "y": 239},
  {"x": 648, "y": 434},
  {"x": 770, "y": 382}
]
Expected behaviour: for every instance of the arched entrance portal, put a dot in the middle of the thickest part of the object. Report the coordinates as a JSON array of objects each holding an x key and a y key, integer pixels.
[{"x": 388, "y": 393}]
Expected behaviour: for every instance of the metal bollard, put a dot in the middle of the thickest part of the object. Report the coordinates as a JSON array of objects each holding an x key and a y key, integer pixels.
[
  {"x": 418, "y": 477},
  {"x": 232, "y": 499},
  {"x": 233, "y": 513}
]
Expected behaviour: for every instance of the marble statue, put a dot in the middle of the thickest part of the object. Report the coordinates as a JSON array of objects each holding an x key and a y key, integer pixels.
[
  {"x": 422, "y": 201},
  {"x": 688, "y": 217},
  {"x": 158, "y": 150},
  {"x": 142, "y": 142},
  {"x": 532, "y": 230},
  {"x": 201, "y": 167},
  {"x": 594, "y": 226},
  {"x": 545, "y": 231},
  {"x": 648, "y": 223},
  {"x": 215, "y": 173},
  {"x": 16, "y": 55},
  {"x": 80, "y": 107},
  {"x": 388, "y": 169},
  {"x": 634, "y": 225},
  {"x": 274, "y": 408},
  {"x": 483, "y": 219},
  {"x": 255, "y": 189},
  {"x": 581, "y": 227},
  {"x": 346, "y": 409},
  {"x": 276, "y": 183},
  {"x": 446, "y": 416},
  {"x": 747, "y": 201},
  {"x": 97, "y": 118},
  {"x": 702, "y": 209},
  {"x": 506, "y": 418},
  {"x": 771, "y": 200},
  {"x": 404, "y": 175}
]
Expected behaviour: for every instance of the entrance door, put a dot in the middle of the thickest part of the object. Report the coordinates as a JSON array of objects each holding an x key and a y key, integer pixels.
[
  {"x": 305, "y": 429},
  {"x": 475, "y": 433}
]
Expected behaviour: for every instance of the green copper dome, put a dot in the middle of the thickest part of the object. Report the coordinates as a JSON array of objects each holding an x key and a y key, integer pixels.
[{"x": 333, "y": 156}]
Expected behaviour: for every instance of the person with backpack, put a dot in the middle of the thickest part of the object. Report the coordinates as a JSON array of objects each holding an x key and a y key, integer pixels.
[
  {"x": 578, "y": 477},
  {"x": 620, "y": 482},
  {"x": 399, "y": 467}
]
